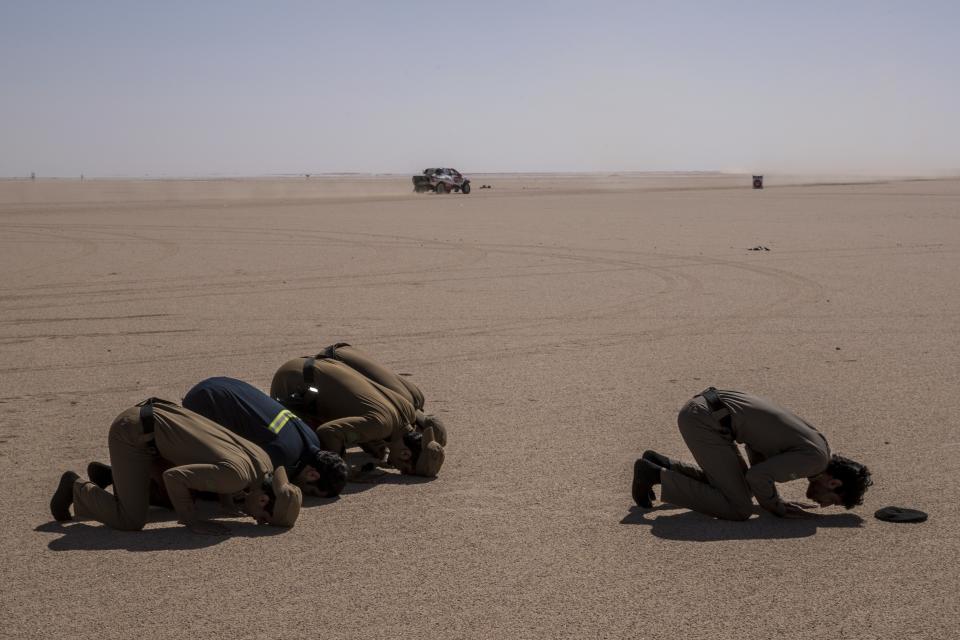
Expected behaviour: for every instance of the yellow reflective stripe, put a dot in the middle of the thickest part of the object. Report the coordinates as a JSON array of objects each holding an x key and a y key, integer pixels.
[{"x": 282, "y": 418}]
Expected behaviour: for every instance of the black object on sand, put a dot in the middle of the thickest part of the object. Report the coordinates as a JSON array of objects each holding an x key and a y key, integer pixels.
[{"x": 900, "y": 514}]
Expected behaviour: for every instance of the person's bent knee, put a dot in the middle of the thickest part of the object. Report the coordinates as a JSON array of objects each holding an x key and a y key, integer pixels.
[
  {"x": 331, "y": 440},
  {"x": 129, "y": 519},
  {"x": 131, "y": 525},
  {"x": 738, "y": 513},
  {"x": 129, "y": 522}
]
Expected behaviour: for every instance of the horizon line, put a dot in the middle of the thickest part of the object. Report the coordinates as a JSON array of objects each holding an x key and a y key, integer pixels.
[{"x": 945, "y": 173}]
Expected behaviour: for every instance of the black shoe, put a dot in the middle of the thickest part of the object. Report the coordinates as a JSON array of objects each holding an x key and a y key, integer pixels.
[
  {"x": 63, "y": 497},
  {"x": 642, "y": 490},
  {"x": 100, "y": 474},
  {"x": 657, "y": 458}
]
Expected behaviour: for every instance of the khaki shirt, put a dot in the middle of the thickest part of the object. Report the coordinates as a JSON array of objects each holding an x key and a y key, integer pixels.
[
  {"x": 205, "y": 457},
  {"x": 362, "y": 362},
  {"x": 350, "y": 408},
  {"x": 781, "y": 446}
]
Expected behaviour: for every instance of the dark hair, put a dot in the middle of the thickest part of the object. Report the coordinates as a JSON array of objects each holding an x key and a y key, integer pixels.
[
  {"x": 332, "y": 470},
  {"x": 414, "y": 442},
  {"x": 267, "y": 487},
  {"x": 854, "y": 476}
]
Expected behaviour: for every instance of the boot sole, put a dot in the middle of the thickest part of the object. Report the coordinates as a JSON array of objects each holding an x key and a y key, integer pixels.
[
  {"x": 641, "y": 492},
  {"x": 63, "y": 498}
]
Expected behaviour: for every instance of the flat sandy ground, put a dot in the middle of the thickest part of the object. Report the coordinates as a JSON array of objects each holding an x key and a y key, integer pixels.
[{"x": 556, "y": 323}]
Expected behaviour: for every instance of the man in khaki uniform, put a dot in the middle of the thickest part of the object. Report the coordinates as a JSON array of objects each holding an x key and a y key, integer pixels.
[
  {"x": 364, "y": 363},
  {"x": 198, "y": 454},
  {"x": 780, "y": 445},
  {"x": 347, "y": 409}
]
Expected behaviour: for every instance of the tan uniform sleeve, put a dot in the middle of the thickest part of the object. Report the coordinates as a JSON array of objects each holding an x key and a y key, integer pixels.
[
  {"x": 218, "y": 478},
  {"x": 364, "y": 364},
  {"x": 785, "y": 467},
  {"x": 418, "y": 400},
  {"x": 339, "y": 435}
]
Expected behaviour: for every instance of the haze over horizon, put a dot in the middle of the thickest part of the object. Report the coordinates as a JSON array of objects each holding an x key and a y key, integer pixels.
[{"x": 133, "y": 89}]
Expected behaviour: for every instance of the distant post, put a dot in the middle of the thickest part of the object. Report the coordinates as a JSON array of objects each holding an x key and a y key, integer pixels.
[{"x": 758, "y": 182}]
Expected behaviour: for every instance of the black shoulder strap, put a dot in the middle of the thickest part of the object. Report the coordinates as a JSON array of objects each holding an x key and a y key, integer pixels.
[
  {"x": 331, "y": 351},
  {"x": 712, "y": 398},
  {"x": 308, "y": 369},
  {"x": 146, "y": 416},
  {"x": 717, "y": 407}
]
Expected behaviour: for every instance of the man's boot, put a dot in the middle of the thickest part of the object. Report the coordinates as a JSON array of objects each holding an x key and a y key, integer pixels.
[
  {"x": 645, "y": 475},
  {"x": 100, "y": 474},
  {"x": 63, "y": 497},
  {"x": 657, "y": 458}
]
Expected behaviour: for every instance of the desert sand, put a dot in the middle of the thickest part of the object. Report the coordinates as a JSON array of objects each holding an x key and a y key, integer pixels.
[{"x": 556, "y": 324}]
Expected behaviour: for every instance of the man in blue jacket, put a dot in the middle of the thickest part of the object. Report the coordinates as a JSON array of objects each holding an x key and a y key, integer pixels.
[{"x": 252, "y": 414}]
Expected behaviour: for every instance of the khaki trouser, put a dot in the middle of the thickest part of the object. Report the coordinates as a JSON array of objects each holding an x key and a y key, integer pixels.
[
  {"x": 134, "y": 464},
  {"x": 718, "y": 487}
]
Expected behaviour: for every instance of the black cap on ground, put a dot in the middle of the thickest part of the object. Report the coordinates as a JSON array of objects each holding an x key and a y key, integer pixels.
[
  {"x": 900, "y": 514},
  {"x": 63, "y": 497}
]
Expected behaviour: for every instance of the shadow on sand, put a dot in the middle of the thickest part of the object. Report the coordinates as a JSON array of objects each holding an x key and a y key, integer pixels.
[
  {"x": 83, "y": 536},
  {"x": 359, "y": 486},
  {"x": 314, "y": 501},
  {"x": 694, "y": 527},
  {"x": 366, "y": 474}
]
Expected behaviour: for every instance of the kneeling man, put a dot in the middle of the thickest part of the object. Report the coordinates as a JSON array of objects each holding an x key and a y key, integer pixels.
[
  {"x": 198, "y": 455},
  {"x": 347, "y": 409},
  {"x": 362, "y": 362},
  {"x": 780, "y": 446}
]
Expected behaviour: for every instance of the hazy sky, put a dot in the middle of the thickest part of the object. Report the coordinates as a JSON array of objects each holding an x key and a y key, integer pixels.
[{"x": 250, "y": 88}]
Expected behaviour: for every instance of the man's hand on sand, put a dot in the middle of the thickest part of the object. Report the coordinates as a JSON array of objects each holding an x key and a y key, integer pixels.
[
  {"x": 799, "y": 510},
  {"x": 368, "y": 473},
  {"x": 207, "y": 528}
]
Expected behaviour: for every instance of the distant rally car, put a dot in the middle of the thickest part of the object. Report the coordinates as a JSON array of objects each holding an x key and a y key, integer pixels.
[{"x": 441, "y": 181}]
